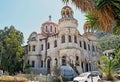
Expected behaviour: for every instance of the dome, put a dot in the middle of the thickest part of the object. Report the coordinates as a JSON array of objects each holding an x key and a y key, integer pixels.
[
  {"x": 49, "y": 28},
  {"x": 67, "y": 12}
]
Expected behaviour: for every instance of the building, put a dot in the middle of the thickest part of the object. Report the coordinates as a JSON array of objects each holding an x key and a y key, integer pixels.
[{"x": 62, "y": 45}]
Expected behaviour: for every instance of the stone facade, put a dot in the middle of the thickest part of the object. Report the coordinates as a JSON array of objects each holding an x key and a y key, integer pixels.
[{"x": 61, "y": 44}]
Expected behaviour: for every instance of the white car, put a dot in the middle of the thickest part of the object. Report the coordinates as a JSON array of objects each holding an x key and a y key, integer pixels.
[{"x": 87, "y": 77}]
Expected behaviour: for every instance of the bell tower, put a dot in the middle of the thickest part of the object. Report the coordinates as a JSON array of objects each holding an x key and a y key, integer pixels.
[{"x": 67, "y": 19}]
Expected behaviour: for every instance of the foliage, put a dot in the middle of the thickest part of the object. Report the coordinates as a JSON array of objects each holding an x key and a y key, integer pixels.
[
  {"x": 109, "y": 42},
  {"x": 107, "y": 67},
  {"x": 27, "y": 66},
  {"x": 11, "y": 41},
  {"x": 92, "y": 20}
]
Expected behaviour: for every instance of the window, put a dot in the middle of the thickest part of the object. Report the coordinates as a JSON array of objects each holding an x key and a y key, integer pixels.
[
  {"x": 33, "y": 63},
  {"x": 77, "y": 61},
  {"x": 93, "y": 48},
  {"x": 46, "y": 29},
  {"x": 63, "y": 39},
  {"x": 28, "y": 62},
  {"x": 50, "y": 28},
  {"x": 69, "y": 38},
  {"x": 75, "y": 39},
  {"x": 29, "y": 48},
  {"x": 33, "y": 48},
  {"x": 41, "y": 63},
  {"x": 42, "y": 47},
  {"x": 63, "y": 60},
  {"x": 48, "y": 45},
  {"x": 84, "y": 45},
  {"x": 55, "y": 29},
  {"x": 88, "y": 47},
  {"x": 55, "y": 43},
  {"x": 80, "y": 44}
]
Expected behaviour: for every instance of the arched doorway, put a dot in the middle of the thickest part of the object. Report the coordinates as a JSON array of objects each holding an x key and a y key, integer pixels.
[
  {"x": 86, "y": 67},
  {"x": 48, "y": 65},
  {"x": 82, "y": 65}
]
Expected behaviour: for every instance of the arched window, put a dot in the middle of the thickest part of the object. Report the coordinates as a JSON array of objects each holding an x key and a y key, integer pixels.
[
  {"x": 28, "y": 62},
  {"x": 55, "y": 43},
  {"x": 80, "y": 44},
  {"x": 50, "y": 28},
  {"x": 41, "y": 46},
  {"x": 63, "y": 39},
  {"x": 93, "y": 48},
  {"x": 56, "y": 61},
  {"x": 55, "y": 30},
  {"x": 33, "y": 48},
  {"x": 88, "y": 47},
  {"x": 33, "y": 63},
  {"x": 63, "y": 60},
  {"x": 75, "y": 39},
  {"x": 77, "y": 61},
  {"x": 48, "y": 45},
  {"x": 69, "y": 38},
  {"x": 84, "y": 45},
  {"x": 46, "y": 29}
]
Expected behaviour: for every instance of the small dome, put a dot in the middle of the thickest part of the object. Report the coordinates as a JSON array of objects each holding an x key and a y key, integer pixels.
[
  {"x": 49, "y": 28},
  {"x": 67, "y": 12}
]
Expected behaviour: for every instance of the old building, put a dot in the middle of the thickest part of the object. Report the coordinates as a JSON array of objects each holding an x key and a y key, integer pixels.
[{"x": 62, "y": 45}]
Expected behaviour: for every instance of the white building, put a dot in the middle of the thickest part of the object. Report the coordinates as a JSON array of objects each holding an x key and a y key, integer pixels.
[{"x": 62, "y": 45}]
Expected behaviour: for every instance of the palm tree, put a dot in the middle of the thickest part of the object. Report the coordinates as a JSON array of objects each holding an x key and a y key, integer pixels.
[
  {"x": 105, "y": 10},
  {"x": 107, "y": 68}
]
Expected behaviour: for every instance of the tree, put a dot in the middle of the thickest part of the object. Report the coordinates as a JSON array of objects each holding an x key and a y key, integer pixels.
[
  {"x": 107, "y": 12},
  {"x": 107, "y": 43},
  {"x": 12, "y": 50},
  {"x": 107, "y": 67}
]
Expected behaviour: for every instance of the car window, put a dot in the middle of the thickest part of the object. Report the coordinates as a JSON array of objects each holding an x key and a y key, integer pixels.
[
  {"x": 93, "y": 75},
  {"x": 83, "y": 75}
]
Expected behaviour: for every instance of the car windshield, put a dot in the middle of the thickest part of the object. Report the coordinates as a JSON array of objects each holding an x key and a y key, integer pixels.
[{"x": 83, "y": 74}]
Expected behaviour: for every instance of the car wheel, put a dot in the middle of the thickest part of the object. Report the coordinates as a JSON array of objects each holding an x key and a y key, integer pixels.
[
  {"x": 98, "y": 80},
  {"x": 86, "y": 81}
]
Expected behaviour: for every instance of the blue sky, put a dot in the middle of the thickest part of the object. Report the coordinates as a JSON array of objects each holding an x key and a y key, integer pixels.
[{"x": 28, "y": 15}]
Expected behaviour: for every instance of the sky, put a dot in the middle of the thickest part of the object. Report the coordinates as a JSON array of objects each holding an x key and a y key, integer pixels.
[{"x": 28, "y": 15}]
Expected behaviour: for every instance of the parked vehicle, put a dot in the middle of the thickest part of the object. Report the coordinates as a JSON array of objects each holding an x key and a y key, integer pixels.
[
  {"x": 97, "y": 73},
  {"x": 87, "y": 77}
]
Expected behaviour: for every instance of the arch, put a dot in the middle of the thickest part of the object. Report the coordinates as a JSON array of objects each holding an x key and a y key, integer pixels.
[
  {"x": 75, "y": 39},
  {"x": 33, "y": 48},
  {"x": 69, "y": 38},
  {"x": 63, "y": 60},
  {"x": 48, "y": 45},
  {"x": 46, "y": 28},
  {"x": 63, "y": 39},
  {"x": 50, "y": 28},
  {"x": 80, "y": 43},
  {"x": 55, "y": 43},
  {"x": 85, "y": 45},
  {"x": 77, "y": 61},
  {"x": 56, "y": 61},
  {"x": 82, "y": 66}
]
